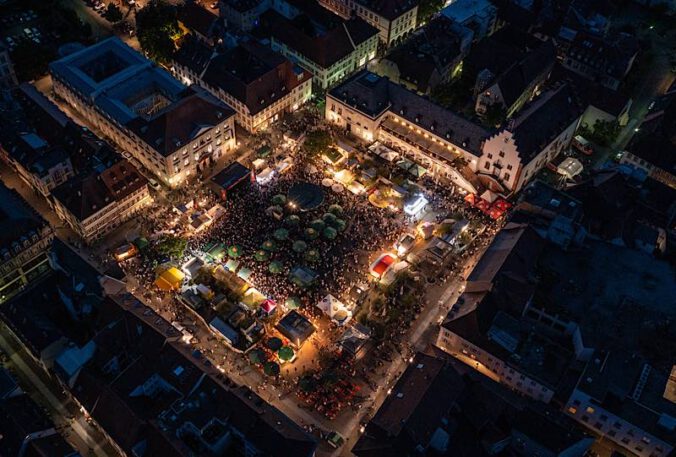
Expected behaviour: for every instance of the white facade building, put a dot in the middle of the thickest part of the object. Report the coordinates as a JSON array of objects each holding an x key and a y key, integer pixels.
[
  {"x": 174, "y": 131},
  {"x": 537, "y": 136}
]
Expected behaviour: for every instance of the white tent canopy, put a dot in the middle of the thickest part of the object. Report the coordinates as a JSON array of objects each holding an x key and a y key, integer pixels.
[
  {"x": 335, "y": 309},
  {"x": 570, "y": 168}
]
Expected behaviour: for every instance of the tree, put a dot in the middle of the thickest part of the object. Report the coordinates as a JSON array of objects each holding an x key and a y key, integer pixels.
[
  {"x": 31, "y": 60},
  {"x": 171, "y": 246},
  {"x": 113, "y": 13},
  {"x": 317, "y": 142},
  {"x": 156, "y": 26},
  {"x": 603, "y": 133},
  {"x": 495, "y": 114},
  {"x": 453, "y": 94},
  {"x": 428, "y": 8}
]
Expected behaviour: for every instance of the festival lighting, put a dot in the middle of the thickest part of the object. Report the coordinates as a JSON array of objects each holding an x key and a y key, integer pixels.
[{"x": 413, "y": 208}]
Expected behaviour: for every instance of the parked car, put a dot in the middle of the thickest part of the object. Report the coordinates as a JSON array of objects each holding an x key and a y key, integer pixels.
[
  {"x": 335, "y": 440},
  {"x": 404, "y": 244},
  {"x": 154, "y": 184},
  {"x": 583, "y": 145},
  {"x": 124, "y": 252}
]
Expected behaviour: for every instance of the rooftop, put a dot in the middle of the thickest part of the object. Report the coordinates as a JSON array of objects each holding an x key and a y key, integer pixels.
[
  {"x": 373, "y": 95},
  {"x": 20, "y": 224},
  {"x": 324, "y": 40},
  {"x": 197, "y": 18},
  {"x": 255, "y": 75},
  {"x": 89, "y": 193},
  {"x": 463, "y": 10},
  {"x": 541, "y": 198},
  {"x": 296, "y": 327},
  {"x": 389, "y": 9},
  {"x": 182, "y": 121},
  {"x": 133, "y": 92},
  {"x": 194, "y": 54},
  {"x": 96, "y": 68},
  {"x": 440, "y": 406},
  {"x": 628, "y": 305},
  {"x": 439, "y": 44},
  {"x": 591, "y": 92},
  {"x": 243, "y": 5},
  {"x": 544, "y": 119},
  {"x": 630, "y": 388},
  {"x": 521, "y": 75},
  {"x": 611, "y": 55}
]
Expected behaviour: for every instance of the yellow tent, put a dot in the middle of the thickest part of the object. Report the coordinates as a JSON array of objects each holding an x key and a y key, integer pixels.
[{"x": 170, "y": 279}]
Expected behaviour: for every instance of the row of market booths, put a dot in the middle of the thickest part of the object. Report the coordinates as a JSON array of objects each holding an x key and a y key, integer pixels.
[
  {"x": 240, "y": 325},
  {"x": 400, "y": 195},
  {"x": 195, "y": 218},
  {"x": 490, "y": 201}
]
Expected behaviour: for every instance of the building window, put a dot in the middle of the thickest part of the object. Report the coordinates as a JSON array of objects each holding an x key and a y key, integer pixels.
[
  {"x": 590, "y": 410},
  {"x": 507, "y": 176},
  {"x": 487, "y": 165},
  {"x": 502, "y": 153},
  {"x": 509, "y": 167}
]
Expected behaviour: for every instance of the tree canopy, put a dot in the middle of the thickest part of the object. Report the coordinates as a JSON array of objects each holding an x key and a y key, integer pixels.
[
  {"x": 171, "y": 246},
  {"x": 495, "y": 115},
  {"x": 602, "y": 133},
  {"x": 317, "y": 142},
  {"x": 427, "y": 8},
  {"x": 113, "y": 13},
  {"x": 156, "y": 25}
]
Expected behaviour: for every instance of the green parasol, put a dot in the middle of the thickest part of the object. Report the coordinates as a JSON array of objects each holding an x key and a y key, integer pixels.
[
  {"x": 261, "y": 255},
  {"x": 269, "y": 245},
  {"x": 285, "y": 353},
  {"x": 234, "y": 251},
  {"x": 292, "y": 220},
  {"x": 299, "y": 246},
  {"x": 281, "y": 234},
  {"x": 329, "y": 218},
  {"x": 273, "y": 343},
  {"x": 336, "y": 209},
  {"x": 271, "y": 368},
  {"x": 257, "y": 356},
  {"x": 311, "y": 234},
  {"x": 318, "y": 225},
  {"x": 275, "y": 267},
  {"x": 340, "y": 224},
  {"x": 279, "y": 200},
  {"x": 330, "y": 233},
  {"x": 312, "y": 256}
]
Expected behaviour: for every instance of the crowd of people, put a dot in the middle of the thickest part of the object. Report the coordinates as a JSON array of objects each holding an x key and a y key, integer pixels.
[{"x": 248, "y": 225}]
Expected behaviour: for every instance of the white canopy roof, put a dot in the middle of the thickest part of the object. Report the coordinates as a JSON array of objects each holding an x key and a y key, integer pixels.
[{"x": 570, "y": 167}]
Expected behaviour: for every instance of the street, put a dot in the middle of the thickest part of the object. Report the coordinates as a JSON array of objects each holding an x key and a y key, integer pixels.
[{"x": 84, "y": 436}]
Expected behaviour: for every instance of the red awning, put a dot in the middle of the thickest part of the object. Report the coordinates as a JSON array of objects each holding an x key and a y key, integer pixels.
[{"x": 268, "y": 306}]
